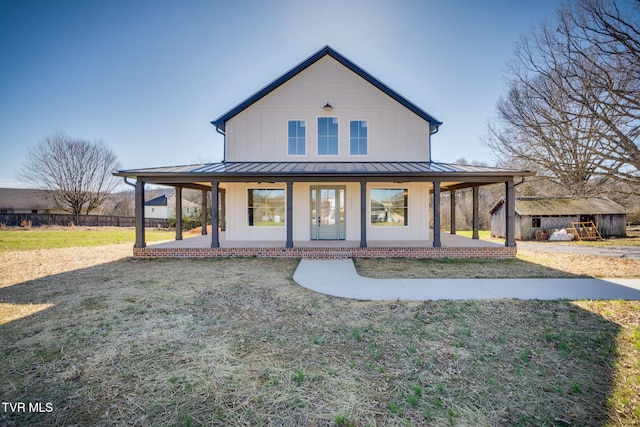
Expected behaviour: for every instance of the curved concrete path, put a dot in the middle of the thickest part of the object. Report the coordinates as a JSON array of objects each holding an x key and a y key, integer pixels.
[{"x": 339, "y": 278}]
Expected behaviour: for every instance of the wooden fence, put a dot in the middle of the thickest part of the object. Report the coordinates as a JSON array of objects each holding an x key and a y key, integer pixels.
[{"x": 16, "y": 220}]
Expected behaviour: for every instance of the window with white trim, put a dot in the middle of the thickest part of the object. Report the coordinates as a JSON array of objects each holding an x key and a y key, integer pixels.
[
  {"x": 327, "y": 135},
  {"x": 358, "y": 137},
  {"x": 389, "y": 207},
  {"x": 297, "y": 134}
]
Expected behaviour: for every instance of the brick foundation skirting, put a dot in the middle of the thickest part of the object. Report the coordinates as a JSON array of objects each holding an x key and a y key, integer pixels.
[{"x": 502, "y": 252}]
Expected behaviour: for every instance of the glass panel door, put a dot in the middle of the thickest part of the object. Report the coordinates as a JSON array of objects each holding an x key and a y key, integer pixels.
[
  {"x": 327, "y": 213},
  {"x": 327, "y": 224}
]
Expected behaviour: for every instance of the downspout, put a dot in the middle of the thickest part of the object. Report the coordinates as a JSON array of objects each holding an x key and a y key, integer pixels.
[
  {"x": 139, "y": 218},
  {"x": 224, "y": 143},
  {"x": 432, "y": 133}
]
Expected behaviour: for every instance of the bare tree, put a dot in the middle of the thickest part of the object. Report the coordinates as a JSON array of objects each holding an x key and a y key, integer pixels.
[
  {"x": 120, "y": 204},
  {"x": 573, "y": 105},
  {"x": 603, "y": 39},
  {"x": 543, "y": 130},
  {"x": 77, "y": 172}
]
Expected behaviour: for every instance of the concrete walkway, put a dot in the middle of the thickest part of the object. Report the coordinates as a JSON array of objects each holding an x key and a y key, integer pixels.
[{"x": 339, "y": 278}]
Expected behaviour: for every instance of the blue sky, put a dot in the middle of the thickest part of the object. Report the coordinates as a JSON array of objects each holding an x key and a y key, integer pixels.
[{"x": 147, "y": 77}]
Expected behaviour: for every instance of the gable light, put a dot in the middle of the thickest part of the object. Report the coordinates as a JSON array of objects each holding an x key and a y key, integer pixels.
[{"x": 327, "y": 107}]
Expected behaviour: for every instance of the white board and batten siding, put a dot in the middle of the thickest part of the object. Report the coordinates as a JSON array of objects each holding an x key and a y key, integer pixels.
[
  {"x": 239, "y": 229},
  {"x": 260, "y": 132}
]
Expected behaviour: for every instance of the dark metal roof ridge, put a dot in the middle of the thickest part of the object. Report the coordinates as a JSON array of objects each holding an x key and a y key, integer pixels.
[{"x": 326, "y": 50}]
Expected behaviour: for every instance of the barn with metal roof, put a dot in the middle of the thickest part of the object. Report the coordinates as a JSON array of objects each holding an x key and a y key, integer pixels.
[{"x": 534, "y": 214}]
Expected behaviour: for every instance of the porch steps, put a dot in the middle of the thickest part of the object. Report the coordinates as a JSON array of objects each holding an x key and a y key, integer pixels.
[{"x": 586, "y": 230}]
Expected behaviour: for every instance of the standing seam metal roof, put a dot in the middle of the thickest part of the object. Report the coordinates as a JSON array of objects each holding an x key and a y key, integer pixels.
[{"x": 329, "y": 168}]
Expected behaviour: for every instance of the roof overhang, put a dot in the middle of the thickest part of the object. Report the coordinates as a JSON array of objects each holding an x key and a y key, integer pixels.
[{"x": 200, "y": 176}]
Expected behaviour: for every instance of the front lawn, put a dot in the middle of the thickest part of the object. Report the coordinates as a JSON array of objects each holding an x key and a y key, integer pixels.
[
  {"x": 19, "y": 239},
  {"x": 124, "y": 341}
]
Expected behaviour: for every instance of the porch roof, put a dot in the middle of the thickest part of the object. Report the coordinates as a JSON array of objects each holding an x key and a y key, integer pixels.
[{"x": 224, "y": 170}]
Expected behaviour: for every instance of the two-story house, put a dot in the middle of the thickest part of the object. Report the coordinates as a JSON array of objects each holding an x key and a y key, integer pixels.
[{"x": 325, "y": 156}]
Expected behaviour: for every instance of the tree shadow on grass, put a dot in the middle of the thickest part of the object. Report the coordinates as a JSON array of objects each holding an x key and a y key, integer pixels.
[{"x": 234, "y": 341}]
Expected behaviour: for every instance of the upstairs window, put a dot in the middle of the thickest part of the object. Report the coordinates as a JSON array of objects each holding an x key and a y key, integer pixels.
[
  {"x": 297, "y": 138},
  {"x": 358, "y": 137},
  {"x": 327, "y": 135}
]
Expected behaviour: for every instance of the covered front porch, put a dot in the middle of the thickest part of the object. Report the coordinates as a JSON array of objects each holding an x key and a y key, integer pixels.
[{"x": 365, "y": 237}]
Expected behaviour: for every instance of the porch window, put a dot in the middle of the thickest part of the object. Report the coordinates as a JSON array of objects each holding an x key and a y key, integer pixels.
[
  {"x": 297, "y": 138},
  {"x": 266, "y": 207},
  {"x": 358, "y": 137},
  {"x": 389, "y": 206},
  {"x": 327, "y": 135}
]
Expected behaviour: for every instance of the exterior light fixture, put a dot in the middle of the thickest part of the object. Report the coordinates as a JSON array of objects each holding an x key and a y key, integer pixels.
[{"x": 327, "y": 107}]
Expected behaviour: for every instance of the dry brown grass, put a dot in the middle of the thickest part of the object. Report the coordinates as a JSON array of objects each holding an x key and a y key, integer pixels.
[
  {"x": 583, "y": 265},
  {"x": 111, "y": 340},
  {"x": 530, "y": 263},
  {"x": 19, "y": 266}
]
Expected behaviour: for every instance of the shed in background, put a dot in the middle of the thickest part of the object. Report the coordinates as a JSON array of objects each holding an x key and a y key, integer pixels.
[{"x": 534, "y": 214}]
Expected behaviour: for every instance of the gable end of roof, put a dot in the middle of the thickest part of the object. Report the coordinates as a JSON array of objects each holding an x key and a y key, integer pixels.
[
  {"x": 158, "y": 201},
  {"x": 326, "y": 50}
]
